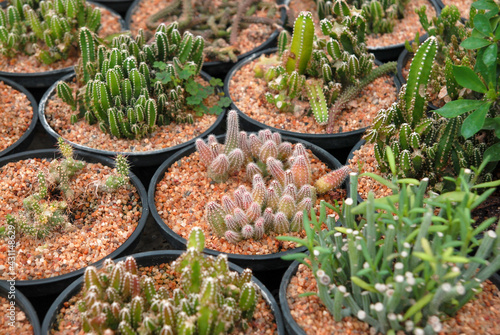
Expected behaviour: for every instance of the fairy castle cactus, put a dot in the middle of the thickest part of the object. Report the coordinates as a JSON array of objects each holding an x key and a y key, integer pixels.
[
  {"x": 210, "y": 299},
  {"x": 327, "y": 72},
  {"x": 402, "y": 265},
  {"x": 47, "y": 29},
  {"x": 47, "y": 209},
  {"x": 132, "y": 87},
  {"x": 219, "y": 25},
  {"x": 278, "y": 207}
]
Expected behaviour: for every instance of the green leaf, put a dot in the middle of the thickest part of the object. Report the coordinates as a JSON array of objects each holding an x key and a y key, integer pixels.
[
  {"x": 482, "y": 23},
  {"x": 216, "y": 82},
  {"x": 458, "y": 107},
  {"x": 418, "y": 306},
  {"x": 490, "y": 55},
  {"x": 485, "y": 4},
  {"x": 454, "y": 196},
  {"x": 474, "y": 43},
  {"x": 224, "y": 102},
  {"x": 364, "y": 285},
  {"x": 380, "y": 179},
  {"x": 294, "y": 257},
  {"x": 467, "y": 78},
  {"x": 488, "y": 184},
  {"x": 493, "y": 152},
  {"x": 493, "y": 124},
  {"x": 475, "y": 121}
]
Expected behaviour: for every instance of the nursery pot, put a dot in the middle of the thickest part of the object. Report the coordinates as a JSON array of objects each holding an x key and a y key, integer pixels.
[
  {"x": 119, "y": 6},
  {"x": 42, "y": 80},
  {"x": 259, "y": 263},
  {"x": 18, "y": 300},
  {"x": 136, "y": 158},
  {"x": 219, "y": 69},
  {"x": 54, "y": 285},
  {"x": 343, "y": 140},
  {"x": 24, "y": 141},
  {"x": 152, "y": 258}
]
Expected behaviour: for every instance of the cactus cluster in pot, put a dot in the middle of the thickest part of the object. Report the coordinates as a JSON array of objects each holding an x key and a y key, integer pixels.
[
  {"x": 210, "y": 298},
  {"x": 219, "y": 25},
  {"x": 131, "y": 87},
  {"x": 405, "y": 262},
  {"x": 48, "y": 208},
  {"x": 47, "y": 29},
  {"x": 277, "y": 207},
  {"x": 326, "y": 71}
]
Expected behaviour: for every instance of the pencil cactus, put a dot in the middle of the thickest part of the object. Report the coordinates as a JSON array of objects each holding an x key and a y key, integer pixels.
[
  {"x": 210, "y": 299},
  {"x": 47, "y": 29},
  {"x": 327, "y": 72}
]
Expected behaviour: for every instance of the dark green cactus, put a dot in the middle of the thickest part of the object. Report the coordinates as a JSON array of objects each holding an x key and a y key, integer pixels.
[
  {"x": 328, "y": 71},
  {"x": 131, "y": 87},
  {"x": 48, "y": 29},
  {"x": 210, "y": 298}
]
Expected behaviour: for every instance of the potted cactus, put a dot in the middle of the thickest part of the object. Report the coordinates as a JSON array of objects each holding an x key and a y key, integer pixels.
[
  {"x": 39, "y": 40},
  {"x": 195, "y": 294},
  {"x": 66, "y": 213},
  {"x": 243, "y": 194},
  {"x": 232, "y": 29},
  {"x": 398, "y": 265},
  {"x": 308, "y": 88},
  {"x": 145, "y": 100}
]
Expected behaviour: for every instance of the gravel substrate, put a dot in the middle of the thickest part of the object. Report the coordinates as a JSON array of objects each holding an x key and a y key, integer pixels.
[
  {"x": 248, "y": 94},
  {"x": 248, "y": 39},
  {"x": 22, "y": 324},
  {"x": 110, "y": 24},
  {"x": 480, "y": 316},
  {"x": 69, "y": 317},
  {"x": 16, "y": 115},
  {"x": 183, "y": 192},
  {"x": 404, "y": 29},
  {"x": 58, "y": 115},
  {"x": 99, "y": 222}
]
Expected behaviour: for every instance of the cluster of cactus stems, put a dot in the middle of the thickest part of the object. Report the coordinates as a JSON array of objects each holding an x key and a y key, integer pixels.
[
  {"x": 132, "y": 87},
  {"x": 402, "y": 262},
  {"x": 47, "y": 29},
  {"x": 211, "y": 299},
  {"x": 425, "y": 145},
  {"x": 278, "y": 207},
  {"x": 380, "y": 15},
  {"x": 219, "y": 25},
  {"x": 327, "y": 72},
  {"x": 42, "y": 211}
]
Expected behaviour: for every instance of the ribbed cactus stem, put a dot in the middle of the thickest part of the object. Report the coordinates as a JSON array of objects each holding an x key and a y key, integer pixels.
[
  {"x": 232, "y": 133},
  {"x": 332, "y": 180},
  {"x": 301, "y": 47}
]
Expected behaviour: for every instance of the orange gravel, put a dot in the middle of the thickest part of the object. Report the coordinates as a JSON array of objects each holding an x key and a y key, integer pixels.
[
  {"x": 22, "y": 324},
  {"x": 69, "y": 316},
  {"x": 99, "y": 222},
  {"x": 183, "y": 192},
  {"x": 16, "y": 114},
  {"x": 480, "y": 316}
]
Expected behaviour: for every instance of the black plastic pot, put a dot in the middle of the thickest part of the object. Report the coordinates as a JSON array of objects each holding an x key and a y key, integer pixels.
[
  {"x": 54, "y": 285},
  {"x": 292, "y": 327},
  {"x": 152, "y": 258},
  {"x": 119, "y": 6},
  {"x": 42, "y": 80},
  {"x": 344, "y": 140},
  {"x": 219, "y": 69},
  {"x": 21, "y": 302},
  {"x": 137, "y": 159},
  {"x": 24, "y": 141},
  {"x": 254, "y": 262}
]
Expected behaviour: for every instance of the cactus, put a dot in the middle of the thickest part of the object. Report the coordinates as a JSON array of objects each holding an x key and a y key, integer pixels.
[
  {"x": 218, "y": 24},
  {"x": 132, "y": 87},
  {"x": 209, "y": 299},
  {"x": 328, "y": 71},
  {"x": 390, "y": 264},
  {"x": 278, "y": 207},
  {"x": 48, "y": 29}
]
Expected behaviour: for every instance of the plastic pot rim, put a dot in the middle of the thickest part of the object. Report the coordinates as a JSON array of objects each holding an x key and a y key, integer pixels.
[{"x": 24, "y": 305}]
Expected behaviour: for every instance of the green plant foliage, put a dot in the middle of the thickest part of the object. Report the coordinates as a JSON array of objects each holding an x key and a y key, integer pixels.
[
  {"x": 210, "y": 299},
  {"x": 402, "y": 262},
  {"x": 47, "y": 29},
  {"x": 327, "y": 72}
]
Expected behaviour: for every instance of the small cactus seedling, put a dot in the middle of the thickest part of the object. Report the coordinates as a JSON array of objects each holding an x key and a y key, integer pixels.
[
  {"x": 210, "y": 299},
  {"x": 327, "y": 72}
]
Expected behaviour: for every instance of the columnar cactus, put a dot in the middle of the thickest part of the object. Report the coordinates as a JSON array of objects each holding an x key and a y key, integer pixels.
[
  {"x": 327, "y": 72},
  {"x": 48, "y": 29},
  {"x": 132, "y": 87},
  {"x": 278, "y": 207},
  {"x": 210, "y": 298}
]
